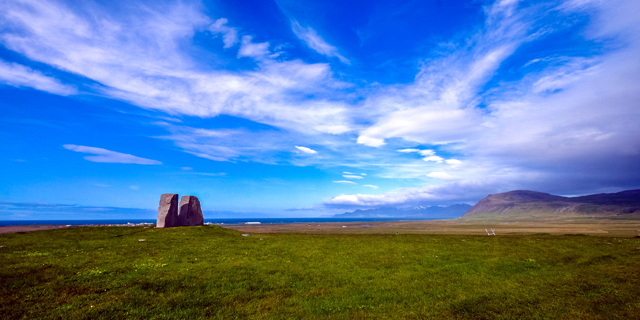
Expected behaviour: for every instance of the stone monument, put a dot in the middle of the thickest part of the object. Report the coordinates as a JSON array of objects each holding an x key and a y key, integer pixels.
[
  {"x": 190, "y": 213},
  {"x": 168, "y": 211}
]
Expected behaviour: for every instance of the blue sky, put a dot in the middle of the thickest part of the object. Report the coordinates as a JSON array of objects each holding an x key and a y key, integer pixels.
[{"x": 310, "y": 108}]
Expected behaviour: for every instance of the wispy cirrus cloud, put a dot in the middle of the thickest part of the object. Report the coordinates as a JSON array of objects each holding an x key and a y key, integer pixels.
[
  {"x": 108, "y": 156},
  {"x": 315, "y": 42},
  {"x": 150, "y": 65},
  {"x": 439, "y": 107},
  {"x": 306, "y": 150},
  {"x": 549, "y": 125},
  {"x": 17, "y": 75},
  {"x": 344, "y": 182}
]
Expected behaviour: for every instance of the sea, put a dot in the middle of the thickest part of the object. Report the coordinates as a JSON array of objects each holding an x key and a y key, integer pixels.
[{"x": 210, "y": 221}]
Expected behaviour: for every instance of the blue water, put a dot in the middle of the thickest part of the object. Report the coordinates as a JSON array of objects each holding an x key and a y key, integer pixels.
[{"x": 215, "y": 221}]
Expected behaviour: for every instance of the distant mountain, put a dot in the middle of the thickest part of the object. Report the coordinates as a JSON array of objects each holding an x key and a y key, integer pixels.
[
  {"x": 523, "y": 204},
  {"x": 433, "y": 212}
]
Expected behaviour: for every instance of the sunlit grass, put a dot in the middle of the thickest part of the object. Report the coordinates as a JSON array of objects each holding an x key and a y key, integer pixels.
[{"x": 209, "y": 272}]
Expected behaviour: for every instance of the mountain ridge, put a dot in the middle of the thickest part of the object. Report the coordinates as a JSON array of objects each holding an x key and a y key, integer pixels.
[{"x": 520, "y": 204}]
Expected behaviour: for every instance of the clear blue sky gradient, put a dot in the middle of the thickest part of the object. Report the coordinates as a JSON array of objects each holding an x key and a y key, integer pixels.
[{"x": 311, "y": 108}]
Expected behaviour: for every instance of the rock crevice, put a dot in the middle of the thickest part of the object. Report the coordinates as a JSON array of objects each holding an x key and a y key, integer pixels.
[{"x": 170, "y": 214}]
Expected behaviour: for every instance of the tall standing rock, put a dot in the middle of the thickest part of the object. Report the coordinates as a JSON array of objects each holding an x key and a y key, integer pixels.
[
  {"x": 168, "y": 211},
  {"x": 190, "y": 213}
]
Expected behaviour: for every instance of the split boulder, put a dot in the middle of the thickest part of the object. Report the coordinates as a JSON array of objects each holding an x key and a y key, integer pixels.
[
  {"x": 168, "y": 211},
  {"x": 190, "y": 212}
]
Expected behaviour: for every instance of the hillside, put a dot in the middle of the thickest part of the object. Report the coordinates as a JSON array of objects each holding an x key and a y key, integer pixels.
[
  {"x": 421, "y": 212},
  {"x": 524, "y": 204}
]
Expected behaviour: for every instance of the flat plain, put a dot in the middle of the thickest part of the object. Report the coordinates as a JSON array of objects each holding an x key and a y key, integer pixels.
[
  {"x": 600, "y": 227},
  {"x": 210, "y": 272}
]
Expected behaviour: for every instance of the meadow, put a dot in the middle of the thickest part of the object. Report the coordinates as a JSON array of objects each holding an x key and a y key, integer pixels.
[{"x": 210, "y": 272}]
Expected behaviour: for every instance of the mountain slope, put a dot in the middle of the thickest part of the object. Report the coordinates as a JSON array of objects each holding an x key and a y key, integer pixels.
[{"x": 523, "y": 204}]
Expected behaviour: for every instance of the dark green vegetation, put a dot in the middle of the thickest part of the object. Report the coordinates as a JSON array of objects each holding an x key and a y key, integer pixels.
[
  {"x": 524, "y": 204},
  {"x": 209, "y": 272}
]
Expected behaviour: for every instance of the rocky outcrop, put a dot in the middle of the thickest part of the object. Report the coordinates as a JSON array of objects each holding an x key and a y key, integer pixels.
[
  {"x": 168, "y": 211},
  {"x": 170, "y": 214},
  {"x": 190, "y": 212}
]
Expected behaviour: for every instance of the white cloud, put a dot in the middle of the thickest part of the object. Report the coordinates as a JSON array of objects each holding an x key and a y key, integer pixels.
[
  {"x": 434, "y": 158},
  {"x": 349, "y": 176},
  {"x": 306, "y": 150},
  {"x": 426, "y": 152},
  {"x": 562, "y": 123},
  {"x": 345, "y": 172},
  {"x": 552, "y": 122},
  {"x": 370, "y": 141},
  {"x": 153, "y": 66},
  {"x": 452, "y": 192},
  {"x": 409, "y": 150},
  {"x": 208, "y": 156},
  {"x": 104, "y": 155},
  {"x": 439, "y": 108},
  {"x": 346, "y": 198},
  {"x": 371, "y": 186},
  {"x": 254, "y": 50},
  {"x": 265, "y": 146},
  {"x": 363, "y": 174},
  {"x": 315, "y": 42},
  {"x": 17, "y": 75},
  {"x": 440, "y": 175},
  {"x": 230, "y": 35},
  {"x": 344, "y": 182}
]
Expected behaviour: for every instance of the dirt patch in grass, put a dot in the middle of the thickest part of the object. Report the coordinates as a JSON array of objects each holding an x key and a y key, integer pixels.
[{"x": 14, "y": 229}]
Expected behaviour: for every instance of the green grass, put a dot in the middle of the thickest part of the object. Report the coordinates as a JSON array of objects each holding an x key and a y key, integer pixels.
[{"x": 213, "y": 273}]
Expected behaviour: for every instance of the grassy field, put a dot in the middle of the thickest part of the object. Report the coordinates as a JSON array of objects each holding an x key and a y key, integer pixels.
[
  {"x": 210, "y": 272},
  {"x": 598, "y": 227}
]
